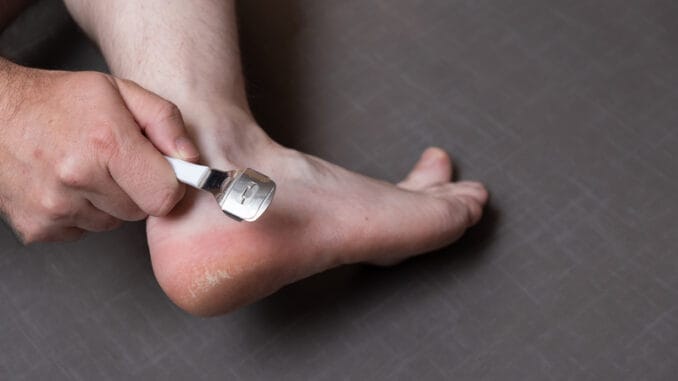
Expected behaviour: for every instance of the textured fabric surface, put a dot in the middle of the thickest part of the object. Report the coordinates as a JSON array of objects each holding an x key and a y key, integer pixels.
[{"x": 566, "y": 109}]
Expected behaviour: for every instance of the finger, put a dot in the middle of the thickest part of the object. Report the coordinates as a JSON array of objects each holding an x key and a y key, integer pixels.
[
  {"x": 31, "y": 229},
  {"x": 99, "y": 189},
  {"x": 92, "y": 219},
  {"x": 144, "y": 174},
  {"x": 159, "y": 119},
  {"x": 112, "y": 200}
]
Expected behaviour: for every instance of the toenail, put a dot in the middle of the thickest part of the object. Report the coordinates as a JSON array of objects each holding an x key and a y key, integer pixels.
[{"x": 432, "y": 157}]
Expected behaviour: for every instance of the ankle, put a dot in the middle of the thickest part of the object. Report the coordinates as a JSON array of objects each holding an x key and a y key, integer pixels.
[{"x": 227, "y": 135}]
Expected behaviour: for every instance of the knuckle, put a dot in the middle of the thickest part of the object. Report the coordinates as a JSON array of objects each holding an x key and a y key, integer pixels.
[
  {"x": 114, "y": 224},
  {"x": 71, "y": 174},
  {"x": 56, "y": 207},
  {"x": 167, "y": 199},
  {"x": 29, "y": 233},
  {"x": 137, "y": 215},
  {"x": 168, "y": 111},
  {"x": 111, "y": 223},
  {"x": 28, "y": 238},
  {"x": 102, "y": 137},
  {"x": 127, "y": 210},
  {"x": 133, "y": 213},
  {"x": 70, "y": 235}
]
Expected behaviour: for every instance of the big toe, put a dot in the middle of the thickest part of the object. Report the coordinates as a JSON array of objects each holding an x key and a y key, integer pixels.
[{"x": 434, "y": 167}]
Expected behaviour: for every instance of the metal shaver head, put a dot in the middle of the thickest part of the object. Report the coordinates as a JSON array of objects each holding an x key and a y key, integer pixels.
[
  {"x": 246, "y": 195},
  {"x": 243, "y": 194}
]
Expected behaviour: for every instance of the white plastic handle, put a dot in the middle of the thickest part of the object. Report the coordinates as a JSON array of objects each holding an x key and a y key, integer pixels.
[{"x": 189, "y": 173}]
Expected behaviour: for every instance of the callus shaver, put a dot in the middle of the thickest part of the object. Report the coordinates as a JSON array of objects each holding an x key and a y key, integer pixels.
[{"x": 243, "y": 194}]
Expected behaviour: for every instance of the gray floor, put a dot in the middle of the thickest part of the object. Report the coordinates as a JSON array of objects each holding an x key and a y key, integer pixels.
[{"x": 566, "y": 109}]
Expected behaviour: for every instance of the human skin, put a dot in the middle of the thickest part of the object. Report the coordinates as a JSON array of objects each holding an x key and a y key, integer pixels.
[
  {"x": 322, "y": 216},
  {"x": 75, "y": 153}
]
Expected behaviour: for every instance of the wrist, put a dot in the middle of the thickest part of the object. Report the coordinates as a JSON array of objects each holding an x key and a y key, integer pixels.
[
  {"x": 6, "y": 83},
  {"x": 12, "y": 80}
]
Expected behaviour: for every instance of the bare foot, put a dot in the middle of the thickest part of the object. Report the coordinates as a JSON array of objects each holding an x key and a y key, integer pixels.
[{"x": 322, "y": 216}]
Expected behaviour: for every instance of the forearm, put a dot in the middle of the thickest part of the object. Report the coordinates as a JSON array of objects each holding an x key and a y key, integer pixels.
[{"x": 186, "y": 51}]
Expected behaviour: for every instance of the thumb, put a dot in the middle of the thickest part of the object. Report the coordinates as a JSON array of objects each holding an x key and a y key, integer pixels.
[{"x": 159, "y": 119}]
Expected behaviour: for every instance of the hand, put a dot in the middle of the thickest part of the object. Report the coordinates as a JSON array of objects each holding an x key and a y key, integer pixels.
[{"x": 84, "y": 151}]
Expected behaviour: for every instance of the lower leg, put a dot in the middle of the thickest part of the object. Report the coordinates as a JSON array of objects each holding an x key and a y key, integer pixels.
[
  {"x": 322, "y": 216},
  {"x": 185, "y": 51}
]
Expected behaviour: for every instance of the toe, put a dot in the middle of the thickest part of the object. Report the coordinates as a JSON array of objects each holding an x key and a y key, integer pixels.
[
  {"x": 474, "y": 210},
  {"x": 472, "y": 189},
  {"x": 434, "y": 167},
  {"x": 471, "y": 195}
]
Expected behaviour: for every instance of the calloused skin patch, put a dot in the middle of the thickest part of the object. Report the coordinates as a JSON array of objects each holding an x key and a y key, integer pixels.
[{"x": 209, "y": 280}]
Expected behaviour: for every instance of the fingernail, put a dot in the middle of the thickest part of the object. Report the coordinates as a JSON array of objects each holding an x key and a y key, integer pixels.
[{"x": 186, "y": 148}]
